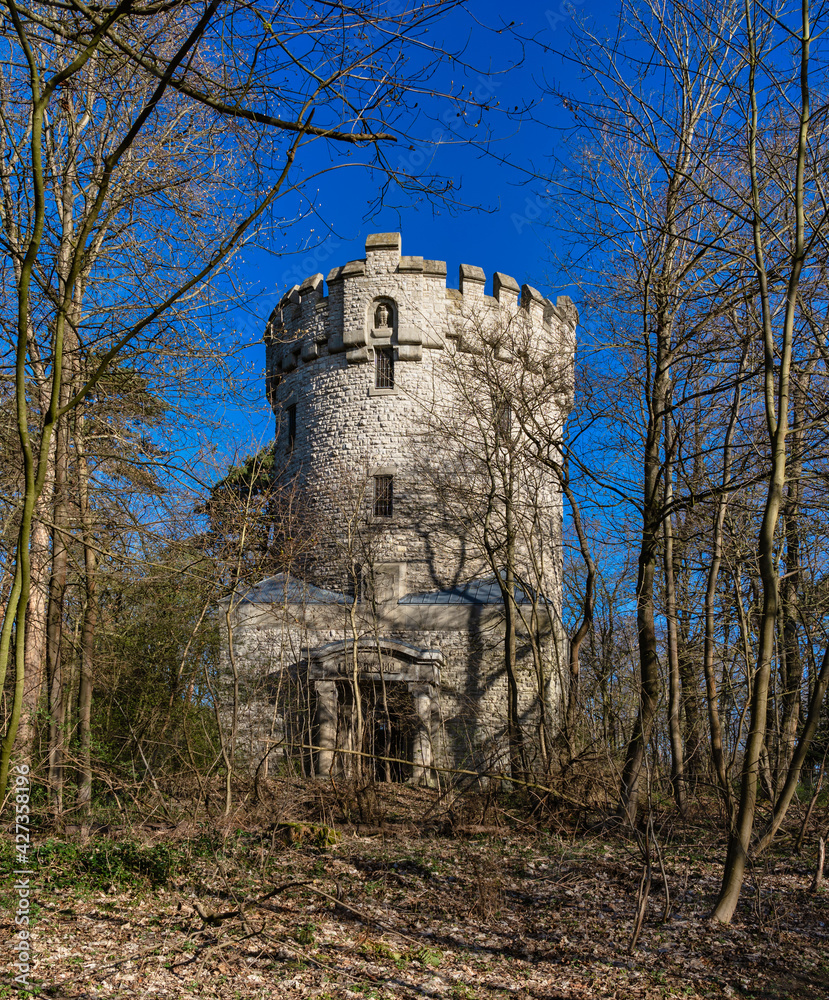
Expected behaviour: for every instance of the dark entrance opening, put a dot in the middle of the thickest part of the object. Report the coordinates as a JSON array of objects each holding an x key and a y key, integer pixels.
[
  {"x": 395, "y": 724},
  {"x": 389, "y": 727}
]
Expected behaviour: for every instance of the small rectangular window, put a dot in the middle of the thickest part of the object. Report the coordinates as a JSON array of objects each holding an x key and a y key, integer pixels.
[
  {"x": 383, "y": 496},
  {"x": 383, "y": 368},
  {"x": 291, "y": 425},
  {"x": 503, "y": 420}
]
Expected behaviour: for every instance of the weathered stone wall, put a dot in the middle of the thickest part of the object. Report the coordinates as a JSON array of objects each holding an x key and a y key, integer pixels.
[{"x": 272, "y": 646}]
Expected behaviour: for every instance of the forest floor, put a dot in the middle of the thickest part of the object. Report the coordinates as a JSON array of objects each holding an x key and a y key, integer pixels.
[{"x": 408, "y": 908}]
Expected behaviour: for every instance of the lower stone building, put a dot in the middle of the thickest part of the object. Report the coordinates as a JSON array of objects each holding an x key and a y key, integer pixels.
[{"x": 420, "y": 675}]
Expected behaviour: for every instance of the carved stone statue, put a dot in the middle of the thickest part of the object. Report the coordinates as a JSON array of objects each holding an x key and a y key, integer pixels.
[{"x": 382, "y": 317}]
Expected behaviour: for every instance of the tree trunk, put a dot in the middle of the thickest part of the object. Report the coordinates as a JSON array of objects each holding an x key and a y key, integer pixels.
[
  {"x": 35, "y": 653},
  {"x": 588, "y": 603},
  {"x": 776, "y": 371},
  {"x": 90, "y": 620},
  {"x": 58, "y": 695},
  {"x": 740, "y": 838},
  {"x": 648, "y": 674},
  {"x": 789, "y": 787},
  {"x": 791, "y": 663},
  {"x": 355, "y": 763},
  {"x": 515, "y": 735},
  {"x": 677, "y": 749},
  {"x": 649, "y": 682},
  {"x": 696, "y": 756}
]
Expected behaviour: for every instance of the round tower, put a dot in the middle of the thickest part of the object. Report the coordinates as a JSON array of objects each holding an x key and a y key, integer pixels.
[{"x": 368, "y": 381}]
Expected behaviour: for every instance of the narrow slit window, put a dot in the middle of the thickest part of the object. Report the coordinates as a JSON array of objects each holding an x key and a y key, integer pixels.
[
  {"x": 291, "y": 425},
  {"x": 383, "y": 496},
  {"x": 383, "y": 368}
]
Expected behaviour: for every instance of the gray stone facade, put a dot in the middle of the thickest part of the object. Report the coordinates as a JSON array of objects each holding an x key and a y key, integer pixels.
[{"x": 386, "y": 393}]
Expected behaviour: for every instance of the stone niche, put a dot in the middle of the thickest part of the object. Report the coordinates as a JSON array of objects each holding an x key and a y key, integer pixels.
[
  {"x": 382, "y": 318},
  {"x": 398, "y": 687}
]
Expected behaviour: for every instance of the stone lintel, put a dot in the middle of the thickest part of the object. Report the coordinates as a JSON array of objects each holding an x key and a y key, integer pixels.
[{"x": 400, "y": 662}]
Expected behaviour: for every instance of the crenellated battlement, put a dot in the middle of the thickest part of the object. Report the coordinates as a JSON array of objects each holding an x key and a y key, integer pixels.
[{"x": 390, "y": 300}]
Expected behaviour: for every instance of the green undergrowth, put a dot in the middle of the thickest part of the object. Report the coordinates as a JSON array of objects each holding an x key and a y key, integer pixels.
[{"x": 104, "y": 864}]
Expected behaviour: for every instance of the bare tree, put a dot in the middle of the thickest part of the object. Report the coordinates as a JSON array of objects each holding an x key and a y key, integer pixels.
[
  {"x": 787, "y": 228},
  {"x": 143, "y": 145},
  {"x": 639, "y": 188},
  {"x": 710, "y": 158}
]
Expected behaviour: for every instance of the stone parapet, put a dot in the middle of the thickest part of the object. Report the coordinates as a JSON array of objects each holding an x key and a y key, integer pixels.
[{"x": 308, "y": 325}]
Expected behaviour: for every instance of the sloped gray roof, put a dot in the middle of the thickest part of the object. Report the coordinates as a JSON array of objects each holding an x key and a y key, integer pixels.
[
  {"x": 484, "y": 590},
  {"x": 286, "y": 589}
]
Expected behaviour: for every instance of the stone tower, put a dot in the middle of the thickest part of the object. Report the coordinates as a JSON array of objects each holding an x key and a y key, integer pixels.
[{"x": 378, "y": 389}]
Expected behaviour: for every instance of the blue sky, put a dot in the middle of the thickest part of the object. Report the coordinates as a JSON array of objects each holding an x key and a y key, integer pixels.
[{"x": 503, "y": 229}]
